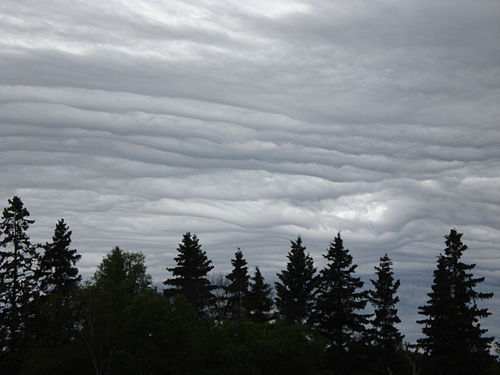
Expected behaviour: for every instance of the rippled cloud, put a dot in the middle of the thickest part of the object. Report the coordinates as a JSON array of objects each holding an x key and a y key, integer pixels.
[{"x": 250, "y": 124}]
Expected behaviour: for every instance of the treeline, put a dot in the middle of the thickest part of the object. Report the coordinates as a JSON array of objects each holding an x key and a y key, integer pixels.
[{"x": 315, "y": 322}]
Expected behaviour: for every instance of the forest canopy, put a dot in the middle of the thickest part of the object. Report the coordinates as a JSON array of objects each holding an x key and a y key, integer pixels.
[{"x": 312, "y": 322}]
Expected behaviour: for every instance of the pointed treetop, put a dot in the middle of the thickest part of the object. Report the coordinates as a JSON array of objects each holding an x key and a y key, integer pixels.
[
  {"x": 260, "y": 302},
  {"x": 339, "y": 299},
  {"x": 295, "y": 289},
  {"x": 57, "y": 268},
  {"x": 15, "y": 223},
  {"x": 340, "y": 256},
  {"x": 18, "y": 279},
  {"x": 385, "y": 334},
  {"x": 454, "y": 246},
  {"x": 238, "y": 287},
  {"x": 190, "y": 273},
  {"x": 453, "y": 336}
]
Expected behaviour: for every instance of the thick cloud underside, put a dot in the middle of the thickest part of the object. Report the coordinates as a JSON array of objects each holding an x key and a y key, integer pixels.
[{"x": 250, "y": 124}]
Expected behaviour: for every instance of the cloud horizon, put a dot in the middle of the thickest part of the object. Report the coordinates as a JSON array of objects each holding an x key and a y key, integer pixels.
[{"x": 251, "y": 124}]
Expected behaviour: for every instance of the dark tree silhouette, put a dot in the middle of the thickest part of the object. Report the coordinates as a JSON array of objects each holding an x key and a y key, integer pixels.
[
  {"x": 190, "y": 274},
  {"x": 453, "y": 337},
  {"x": 295, "y": 290},
  {"x": 259, "y": 302},
  {"x": 338, "y": 306},
  {"x": 238, "y": 287},
  {"x": 119, "y": 279},
  {"x": 117, "y": 323},
  {"x": 18, "y": 281},
  {"x": 123, "y": 270},
  {"x": 385, "y": 335},
  {"x": 59, "y": 274},
  {"x": 55, "y": 326}
]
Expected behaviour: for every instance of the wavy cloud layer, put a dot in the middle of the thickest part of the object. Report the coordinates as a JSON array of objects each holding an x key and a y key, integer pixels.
[{"x": 252, "y": 124}]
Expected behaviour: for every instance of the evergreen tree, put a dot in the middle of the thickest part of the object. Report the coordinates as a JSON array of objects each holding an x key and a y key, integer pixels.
[
  {"x": 18, "y": 282},
  {"x": 55, "y": 326},
  {"x": 338, "y": 305},
  {"x": 259, "y": 302},
  {"x": 190, "y": 274},
  {"x": 238, "y": 287},
  {"x": 295, "y": 291},
  {"x": 58, "y": 263},
  {"x": 454, "y": 338},
  {"x": 385, "y": 335}
]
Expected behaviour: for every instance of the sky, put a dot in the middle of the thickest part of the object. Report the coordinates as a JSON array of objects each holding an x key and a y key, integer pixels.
[{"x": 252, "y": 123}]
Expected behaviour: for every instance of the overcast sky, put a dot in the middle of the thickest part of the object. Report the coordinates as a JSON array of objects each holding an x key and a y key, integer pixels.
[{"x": 250, "y": 123}]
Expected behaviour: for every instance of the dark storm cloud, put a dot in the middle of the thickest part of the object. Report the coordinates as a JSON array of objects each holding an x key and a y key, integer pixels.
[{"x": 250, "y": 124}]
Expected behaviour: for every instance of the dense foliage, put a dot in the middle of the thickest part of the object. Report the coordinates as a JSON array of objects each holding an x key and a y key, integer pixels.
[
  {"x": 237, "y": 289},
  {"x": 295, "y": 291},
  {"x": 454, "y": 339},
  {"x": 18, "y": 280},
  {"x": 384, "y": 335},
  {"x": 260, "y": 301},
  {"x": 339, "y": 305},
  {"x": 119, "y": 323},
  {"x": 190, "y": 275}
]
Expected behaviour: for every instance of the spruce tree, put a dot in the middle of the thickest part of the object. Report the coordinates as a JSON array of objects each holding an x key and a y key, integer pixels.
[
  {"x": 295, "y": 290},
  {"x": 454, "y": 338},
  {"x": 59, "y": 274},
  {"x": 385, "y": 335},
  {"x": 59, "y": 279},
  {"x": 238, "y": 287},
  {"x": 190, "y": 274},
  {"x": 338, "y": 305},
  {"x": 18, "y": 282},
  {"x": 259, "y": 302}
]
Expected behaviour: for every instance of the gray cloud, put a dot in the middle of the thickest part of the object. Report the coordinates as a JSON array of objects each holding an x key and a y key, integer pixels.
[{"x": 250, "y": 124}]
